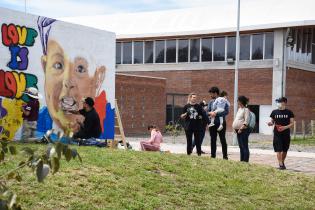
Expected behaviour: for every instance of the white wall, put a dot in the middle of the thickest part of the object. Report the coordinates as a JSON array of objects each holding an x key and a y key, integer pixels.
[{"x": 264, "y": 113}]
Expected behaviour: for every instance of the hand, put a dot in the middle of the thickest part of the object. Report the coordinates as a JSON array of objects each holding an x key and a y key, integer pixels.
[
  {"x": 239, "y": 131},
  {"x": 270, "y": 123},
  {"x": 281, "y": 128},
  {"x": 212, "y": 114},
  {"x": 183, "y": 115}
]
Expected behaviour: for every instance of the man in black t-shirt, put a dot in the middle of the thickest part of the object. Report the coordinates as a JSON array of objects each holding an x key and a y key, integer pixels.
[
  {"x": 192, "y": 114},
  {"x": 283, "y": 120},
  {"x": 91, "y": 126}
]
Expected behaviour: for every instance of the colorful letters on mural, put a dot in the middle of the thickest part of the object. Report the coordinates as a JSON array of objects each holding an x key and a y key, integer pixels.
[{"x": 12, "y": 84}]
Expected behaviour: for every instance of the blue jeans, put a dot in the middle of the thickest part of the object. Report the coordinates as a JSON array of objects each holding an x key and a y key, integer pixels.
[{"x": 242, "y": 139}]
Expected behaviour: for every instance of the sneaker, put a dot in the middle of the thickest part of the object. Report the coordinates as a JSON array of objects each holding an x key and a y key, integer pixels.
[
  {"x": 202, "y": 152},
  {"x": 282, "y": 167},
  {"x": 211, "y": 125},
  {"x": 220, "y": 128}
]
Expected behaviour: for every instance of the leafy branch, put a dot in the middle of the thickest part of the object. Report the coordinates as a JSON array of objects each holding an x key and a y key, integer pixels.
[{"x": 41, "y": 164}]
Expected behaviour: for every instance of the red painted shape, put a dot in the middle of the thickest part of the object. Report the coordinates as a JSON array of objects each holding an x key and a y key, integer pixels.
[
  {"x": 100, "y": 107},
  {"x": 4, "y": 31}
]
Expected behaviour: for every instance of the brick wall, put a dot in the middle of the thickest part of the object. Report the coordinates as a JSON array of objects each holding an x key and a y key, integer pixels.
[
  {"x": 254, "y": 83},
  {"x": 300, "y": 91},
  {"x": 141, "y": 101}
]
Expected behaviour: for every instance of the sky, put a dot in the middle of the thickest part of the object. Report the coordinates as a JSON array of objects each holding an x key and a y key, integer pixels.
[{"x": 66, "y": 8}]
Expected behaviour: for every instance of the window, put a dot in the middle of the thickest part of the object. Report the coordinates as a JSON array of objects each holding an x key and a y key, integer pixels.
[
  {"x": 257, "y": 46},
  {"x": 304, "y": 40},
  {"x": 298, "y": 40},
  {"x": 171, "y": 51},
  {"x": 309, "y": 40},
  {"x": 194, "y": 50},
  {"x": 138, "y": 52},
  {"x": 269, "y": 46},
  {"x": 127, "y": 52},
  {"x": 231, "y": 47},
  {"x": 219, "y": 49},
  {"x": 244, "y": 47},
  {"x": 148, "y": 52},
  {"x": 118, "y": 53},
  {"x": 183, "y": 50},
  {"x": 206, "y": 53},
  {"x": 159, "y": 51}
]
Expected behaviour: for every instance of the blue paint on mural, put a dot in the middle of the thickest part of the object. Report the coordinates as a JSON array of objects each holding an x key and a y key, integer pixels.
[{"x": 109, "y": 123}]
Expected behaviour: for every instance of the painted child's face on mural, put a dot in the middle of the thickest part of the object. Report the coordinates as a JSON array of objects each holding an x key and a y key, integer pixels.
[{"x": 67, "y": 81}]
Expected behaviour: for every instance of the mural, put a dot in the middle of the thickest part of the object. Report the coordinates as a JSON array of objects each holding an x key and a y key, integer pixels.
[{"x": 65, "y": 62}]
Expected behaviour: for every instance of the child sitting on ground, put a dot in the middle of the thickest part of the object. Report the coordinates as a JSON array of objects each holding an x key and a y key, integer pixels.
[{"x": 219, "y": 107}]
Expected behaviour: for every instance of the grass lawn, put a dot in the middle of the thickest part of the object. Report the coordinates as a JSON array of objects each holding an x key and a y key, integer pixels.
[
  {"x": 309, "y": 141},
  {"x": 115, "y": 179}
]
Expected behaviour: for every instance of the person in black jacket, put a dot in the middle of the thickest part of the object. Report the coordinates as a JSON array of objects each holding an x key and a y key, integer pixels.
[
  {"x": 91, "y": 126},
  {"x": 192, "y": 114},
  {"x": 205, "y": 122}
]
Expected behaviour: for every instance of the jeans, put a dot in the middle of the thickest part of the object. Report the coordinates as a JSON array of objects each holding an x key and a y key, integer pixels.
[
  {"x": 189, "y": 134},
  {"x": 28, "y": 130},
  {"x": 242, "y": 139},
  {"x": 202, "y": 136},
  {"x": 213, "y": 140}
]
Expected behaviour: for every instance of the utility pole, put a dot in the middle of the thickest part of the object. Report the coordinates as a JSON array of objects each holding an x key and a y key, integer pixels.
[{"x": 237, "y": 59}]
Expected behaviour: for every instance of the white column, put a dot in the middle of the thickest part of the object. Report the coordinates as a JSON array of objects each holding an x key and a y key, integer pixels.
[{"x": 278, "y": 79}]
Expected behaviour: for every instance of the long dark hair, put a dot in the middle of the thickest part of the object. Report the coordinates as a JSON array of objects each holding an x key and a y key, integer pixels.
[{"x": 243, "y": 100}]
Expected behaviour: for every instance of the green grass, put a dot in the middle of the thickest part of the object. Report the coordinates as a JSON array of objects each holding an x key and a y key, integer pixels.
[
  {"x": 308, "y": 141},
  {"x": 114, "y": 179}
]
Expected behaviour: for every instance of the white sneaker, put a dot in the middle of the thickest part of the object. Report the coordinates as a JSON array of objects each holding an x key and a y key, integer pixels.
[
  {"x": 220, "y": 128},
  {"x": 211, "y": 125}
]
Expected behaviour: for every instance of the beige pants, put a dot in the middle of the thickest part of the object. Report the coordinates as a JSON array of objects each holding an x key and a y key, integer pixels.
[{"x": 28, "y": 129}]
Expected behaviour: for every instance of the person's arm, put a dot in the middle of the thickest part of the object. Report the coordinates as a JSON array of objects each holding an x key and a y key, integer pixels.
[
  {"x": 26, "y": 110},
  {"x": 153, "y": 135},
  {"x": 184, "y": 113},
  {"x": 272, "y": 122}
]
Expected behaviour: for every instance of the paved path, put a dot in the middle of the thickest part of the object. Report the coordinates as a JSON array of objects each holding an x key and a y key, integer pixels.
[{"x": 296, "y": 161}]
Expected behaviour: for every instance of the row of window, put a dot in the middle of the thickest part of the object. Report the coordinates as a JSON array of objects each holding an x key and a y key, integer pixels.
[
  {"x": 252, "y": 47},
  {"x": 301, "y": 47}
]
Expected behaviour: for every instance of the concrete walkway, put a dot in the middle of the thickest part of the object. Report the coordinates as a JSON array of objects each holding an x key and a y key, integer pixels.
[{"x": 303, "y": 162}]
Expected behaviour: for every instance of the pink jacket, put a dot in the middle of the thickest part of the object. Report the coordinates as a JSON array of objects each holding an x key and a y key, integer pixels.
[{"x": 156, "y": 137}]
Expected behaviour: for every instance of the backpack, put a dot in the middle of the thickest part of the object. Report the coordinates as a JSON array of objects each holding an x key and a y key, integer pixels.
[{"x": 252, "y": 120}]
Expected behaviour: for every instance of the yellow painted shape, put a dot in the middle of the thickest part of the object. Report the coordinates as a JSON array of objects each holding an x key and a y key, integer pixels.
[
  {"x": 22, "y": 31},
  {"x": 13, "y": 120},
  {"x": 20, "y": 83}
]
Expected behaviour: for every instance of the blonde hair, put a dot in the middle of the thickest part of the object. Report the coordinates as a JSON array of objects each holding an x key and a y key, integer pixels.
[{"x": 189, "y": 97}]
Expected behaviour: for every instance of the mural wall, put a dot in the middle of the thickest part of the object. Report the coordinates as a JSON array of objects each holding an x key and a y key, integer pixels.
[{"x": 65, "y": 62}]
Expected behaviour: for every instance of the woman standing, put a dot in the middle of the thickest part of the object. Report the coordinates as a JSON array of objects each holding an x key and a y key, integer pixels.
[
  {"x": 153, "y": 144},
  {"x": 192, "y": 114},
  {"x": 240, "y": 125}
]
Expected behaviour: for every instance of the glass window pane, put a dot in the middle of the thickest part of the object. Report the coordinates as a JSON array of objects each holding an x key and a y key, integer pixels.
[
  {"x": 257, "y": 47},
  {"x": 304, "y": 40},
  {"x": 309, "y": 41},
  {"x": 244, "y": 47},
  {"x": 118, "y": 53},
  {"x": 148, "y": 52},
  {"x": 298, "y": 40},
  {"x": 206, "y": 49},
  {"x": 171, "y": 51},
  {"x": 183, "y": 50},
  {"x": 127, "y": 52},
  {"x": 219, "y": 49},
  {"x": 194, "y": 50},
  {"x": 231, "y": 47},
  {"x": 269, "y": 46},
  {"x": 138, "y": 52},
  {"x": 159, "y": 51}
]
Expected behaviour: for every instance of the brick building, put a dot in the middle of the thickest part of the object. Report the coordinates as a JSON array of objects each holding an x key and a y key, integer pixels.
[{"x": 194, "y": 49}]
